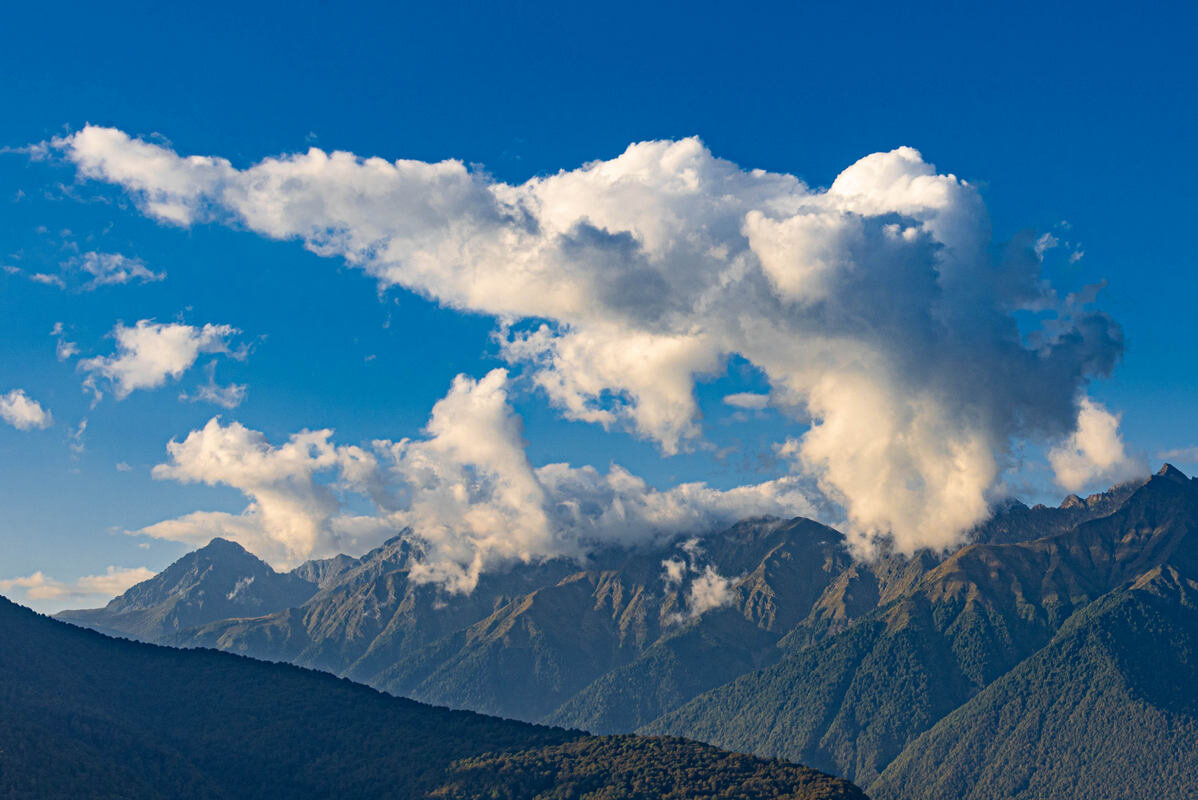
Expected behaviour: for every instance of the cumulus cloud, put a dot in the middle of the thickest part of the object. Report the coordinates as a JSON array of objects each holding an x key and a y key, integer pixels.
[
  {"x": 879, "y": 310},
  {"x": 466, "y": 490},
  {"x": 23, "y": 412},
  {"x": 148, "y": 353},
  {"x": 114, "y": 581},
  {"x": 1094, "y": 452},
  {"x": 290, "y": 513}
]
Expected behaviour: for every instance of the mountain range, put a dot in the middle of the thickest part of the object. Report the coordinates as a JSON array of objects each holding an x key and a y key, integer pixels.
[{"x": 1051, "y": 656}]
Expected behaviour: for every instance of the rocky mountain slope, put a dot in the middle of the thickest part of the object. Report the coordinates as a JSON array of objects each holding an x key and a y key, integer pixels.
[{"x": 218, "y": 581}]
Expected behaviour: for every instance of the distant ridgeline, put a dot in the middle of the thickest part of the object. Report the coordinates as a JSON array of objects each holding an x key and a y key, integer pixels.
[
  {"x": 83, "y": 715},
  {"x": 1053, "y": 657}
]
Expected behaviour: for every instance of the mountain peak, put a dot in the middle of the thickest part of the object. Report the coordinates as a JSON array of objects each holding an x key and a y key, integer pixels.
[
  {"x": 1172, "y": 473},
  {"x": 1073, "y": 501},
  {"x": 221, "y": 545}
]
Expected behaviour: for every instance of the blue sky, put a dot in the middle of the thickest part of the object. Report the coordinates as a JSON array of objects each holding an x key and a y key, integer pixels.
[{"x": 1069, "y": 120}]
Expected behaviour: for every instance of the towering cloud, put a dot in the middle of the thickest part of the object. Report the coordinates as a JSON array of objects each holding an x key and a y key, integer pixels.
[{"x": 879, "y": 310}]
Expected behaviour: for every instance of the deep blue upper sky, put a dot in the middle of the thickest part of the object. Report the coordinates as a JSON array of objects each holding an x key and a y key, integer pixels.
[{"x": 1077, "y": 119}]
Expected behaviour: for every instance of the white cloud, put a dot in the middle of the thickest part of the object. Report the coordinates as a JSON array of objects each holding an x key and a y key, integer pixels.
[
  {"x": 229, "y": 396},
  {"x": 48, "y": 280},
  {"x": 77, "y": 443},
  {"x": 876, "y": 309},
  {"x": 99, "y": 269},
  {"x": 149, "y": 353},
  {"x": 747, "y": 400},
  {"x": 1094, "y": 452},
  {"x": 63, "y": 349},
  {"x": 290, "y": 514},
  {"x": 23, "y": 412},
  {"x": 114, "y": 581},
  {"x": 466, "y": 489},
  {"x": 108, "y": 269},
  {"x": 709, "y": 590},
  {"x": 673, "y": 572}
]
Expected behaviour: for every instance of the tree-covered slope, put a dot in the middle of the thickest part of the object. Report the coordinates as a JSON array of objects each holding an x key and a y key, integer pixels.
[
  {"x": 1107, "y": 711},
  {"x": 700, "y": 656},
  {"x": 851, "y": 703},
  {"x": 86, "y": 716}
]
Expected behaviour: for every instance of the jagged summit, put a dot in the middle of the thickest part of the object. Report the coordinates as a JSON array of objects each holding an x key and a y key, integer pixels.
[
  {"x": 1172, "y": 473},
  {"x": 1073, "y": 501}
]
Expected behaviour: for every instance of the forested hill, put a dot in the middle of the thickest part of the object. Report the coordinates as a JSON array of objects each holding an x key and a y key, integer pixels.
[{"x": 83, "y": 715}]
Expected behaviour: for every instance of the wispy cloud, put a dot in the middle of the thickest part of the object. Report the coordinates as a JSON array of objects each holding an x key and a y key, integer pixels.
[{"x": 40, "y": 586}]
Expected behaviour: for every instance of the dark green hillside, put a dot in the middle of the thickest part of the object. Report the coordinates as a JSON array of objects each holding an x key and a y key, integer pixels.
[
  {"x": 86, "y": 716},
  {"x": 1108, "y": 711},
  {"x": 701, "y": 656},
  {"x": 609, "y": 767}
]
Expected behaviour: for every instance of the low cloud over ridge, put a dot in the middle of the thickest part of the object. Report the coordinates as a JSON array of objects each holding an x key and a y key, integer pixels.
[
  {"x": 466, "y": 489},
  {"x": 878, "y": 309}
]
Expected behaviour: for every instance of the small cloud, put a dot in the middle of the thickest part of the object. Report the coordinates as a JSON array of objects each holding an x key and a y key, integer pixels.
[
  {"x": 748, "y": 400},
  {"x": 109, "y": 269},
  {"x": 122, "y": 466},
  {"x": 77, "y": 443},
  {"x": 98, "y": 269},
  {"x": 22, "y": 412},
  {"x": 149, "y": 353},
  {"x": 1046, "y": 243},
  {"x": 63, "y": 349},
  {"x": 673, "y": 571},
  {"x": 48, "y": 280},
  {"x": 229, "y": 396}
]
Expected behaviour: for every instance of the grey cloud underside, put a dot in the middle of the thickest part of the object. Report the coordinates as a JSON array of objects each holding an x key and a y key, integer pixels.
[{"x": 880, "y": 308}]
